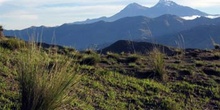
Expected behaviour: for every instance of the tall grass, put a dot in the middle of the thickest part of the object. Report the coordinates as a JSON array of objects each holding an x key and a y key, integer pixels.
[
  {"x": 180, "y": 47},
  {"x": 216, "y": 46},
  {"x": 46, "y": 79},
  {"x": 158, "y": 64}
]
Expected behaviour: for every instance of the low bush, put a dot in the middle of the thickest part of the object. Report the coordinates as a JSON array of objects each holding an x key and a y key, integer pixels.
[
  {"x": 45, "y": 85},
  {"x": 132, "y": 58},
  {"x": 90, "y": 60},
  {"x": 113, "y": 55},
  {"x": 158, "y": 64},
  {"x": 12, "y": 43}
]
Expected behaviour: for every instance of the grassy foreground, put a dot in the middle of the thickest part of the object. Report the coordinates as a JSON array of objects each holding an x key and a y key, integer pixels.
[{"x": 112, "y": 81}]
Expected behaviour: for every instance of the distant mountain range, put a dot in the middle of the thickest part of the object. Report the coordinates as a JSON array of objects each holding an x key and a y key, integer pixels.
[
  {"x": 161, "y": 8},
  {"x": 164, "y": 29},
  {"x": 198, "y": 37},
  {"x": 161, "y": 23}
]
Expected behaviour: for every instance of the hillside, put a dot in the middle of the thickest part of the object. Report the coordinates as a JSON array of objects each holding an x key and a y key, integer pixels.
[
  {"x": 152, "y": 80},
  {"x": 82, "y": 36},
  {"x": 136, "y": 47}
]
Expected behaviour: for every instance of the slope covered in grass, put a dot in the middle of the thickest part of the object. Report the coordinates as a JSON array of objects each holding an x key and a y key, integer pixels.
[{"x": 124, "y": 81}]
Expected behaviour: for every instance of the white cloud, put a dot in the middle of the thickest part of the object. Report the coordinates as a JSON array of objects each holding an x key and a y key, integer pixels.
[
  {"x": 100, "y": 9},
  {"x": 191, "y": 17},
  {"x": 23, "y": 15},
  {"x": 196, "y": 16},
  {"x": 28, "y": 17},
  {"x": 3, "y": 1}
]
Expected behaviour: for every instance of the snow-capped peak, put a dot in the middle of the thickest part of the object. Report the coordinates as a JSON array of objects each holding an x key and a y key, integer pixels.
[{"x": 166, "y": 2}]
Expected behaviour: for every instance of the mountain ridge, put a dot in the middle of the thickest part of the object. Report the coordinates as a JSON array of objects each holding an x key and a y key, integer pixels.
[
  {"x": 130, "y": 28},
  {"x": 199, "y": 37},
  {"x": 162, "y": 7}
]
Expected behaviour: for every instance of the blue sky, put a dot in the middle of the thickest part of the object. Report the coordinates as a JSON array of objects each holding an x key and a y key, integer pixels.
[{"x": 19, "y": 14}]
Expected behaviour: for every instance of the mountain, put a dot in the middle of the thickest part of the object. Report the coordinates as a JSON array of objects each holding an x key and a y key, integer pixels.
[
  {"x": 82, "y": 36},
  {"x": 130, "y": 10},
  {"x": 161, "y": 8},
  {"x": 170, "y": 7},
  {"x": 136, "y": 47},
  {"x": 201, "y": 37},
  {"x": 91, "y": 20}
]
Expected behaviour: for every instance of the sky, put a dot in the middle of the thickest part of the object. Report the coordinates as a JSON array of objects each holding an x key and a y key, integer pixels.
[{"x": 20, "y": 14}]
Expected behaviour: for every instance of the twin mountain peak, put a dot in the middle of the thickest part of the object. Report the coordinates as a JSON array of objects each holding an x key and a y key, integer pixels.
[
  {"x": 161, "y": 8},
  {"x": 161, "y": 21},
  {"x": 161, "y": 2}
]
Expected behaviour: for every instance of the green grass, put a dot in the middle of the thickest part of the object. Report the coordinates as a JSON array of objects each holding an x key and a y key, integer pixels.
[
  {"x": 45, "y": 79},
  {"x": 90, "y": 59},
  {"x": 112, "y": 90},
  {"x": 158, "y": 63},
  {"x": 132, "y": 58},
  {"x": 12, "y": 43},
  {"x": 44, "y": 76}
]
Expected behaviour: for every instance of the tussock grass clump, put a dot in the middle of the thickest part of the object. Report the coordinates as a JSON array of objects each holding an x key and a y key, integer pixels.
[
  {"x": 158, "y": 64},
  {"x": 12, "y": 43},
  {"x": 90, "y": 52},
  {"x": 217, "y": 46},
  {"x": 132, "y": 58},
  {"x": 91, "y": 59},
  {"x": 113, "y": 55},
  {"x": 45, "y": 85},
  {"x": 216, "y": 55}
]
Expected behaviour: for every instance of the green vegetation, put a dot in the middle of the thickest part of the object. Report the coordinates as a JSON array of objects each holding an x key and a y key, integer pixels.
[
  {"x": 45, "y": 79},
  {"x": 91, "y": 59},
  {"x": 158, "y": 64},
  {"x": 33, "y": 77},
  {"x": 12, "y": 43},
  {"x": 132, "y": 58}
]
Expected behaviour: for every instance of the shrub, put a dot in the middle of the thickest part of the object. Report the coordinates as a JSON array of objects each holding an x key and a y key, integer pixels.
[
  {"x": 216, "y": 56},
  {"x": 132, "y": 58},
  {"x": 45, "y": 85},
  {"x": 90, "y": 52},
  {"x": 168, "y": 104},
  {"x": 91, "y": 60},
  {"x": 113, "y": 55},
  {"x": 158, "y": 64},
  {"x": 12, "y": 43},
  {"x": 217, "y": 46}
]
